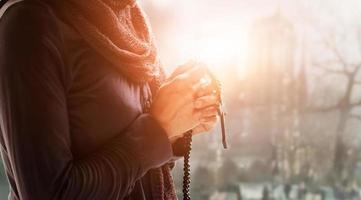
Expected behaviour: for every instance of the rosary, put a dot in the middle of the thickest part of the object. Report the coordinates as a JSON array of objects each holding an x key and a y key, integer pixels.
[{"x": 188, "y": 140}]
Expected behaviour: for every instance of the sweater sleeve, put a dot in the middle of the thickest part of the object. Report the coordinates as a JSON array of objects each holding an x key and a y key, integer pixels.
[{"x": 35, "y": 126}]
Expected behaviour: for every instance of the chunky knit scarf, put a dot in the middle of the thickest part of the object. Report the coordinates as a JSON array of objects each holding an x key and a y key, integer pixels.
[
  {"x": 116, "y": 29},
  {"x": 119, "y": 31}
]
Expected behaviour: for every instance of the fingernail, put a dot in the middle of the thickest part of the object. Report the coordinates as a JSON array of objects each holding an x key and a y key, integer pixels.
[{"x": 203, "y": 81}]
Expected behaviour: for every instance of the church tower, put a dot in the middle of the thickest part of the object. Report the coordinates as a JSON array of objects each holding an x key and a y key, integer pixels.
[{"x": 275, "y": 91}]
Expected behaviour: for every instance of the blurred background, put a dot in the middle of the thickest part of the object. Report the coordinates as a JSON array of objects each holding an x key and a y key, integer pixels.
[{"x": 292, "y": 86}]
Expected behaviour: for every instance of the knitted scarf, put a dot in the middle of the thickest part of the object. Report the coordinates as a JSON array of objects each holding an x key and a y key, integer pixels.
[{"x": 118, "y": 30}]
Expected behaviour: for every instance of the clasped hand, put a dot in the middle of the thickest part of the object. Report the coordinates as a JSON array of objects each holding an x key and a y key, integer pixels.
[{"x": 185, "y": 102}]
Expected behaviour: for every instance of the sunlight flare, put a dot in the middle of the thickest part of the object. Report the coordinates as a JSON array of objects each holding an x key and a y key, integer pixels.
[{"x": 216, "y": 47}]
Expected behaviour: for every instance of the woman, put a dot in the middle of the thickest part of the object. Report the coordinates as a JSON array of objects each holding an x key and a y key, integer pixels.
[{"x": 78, "y": 78}]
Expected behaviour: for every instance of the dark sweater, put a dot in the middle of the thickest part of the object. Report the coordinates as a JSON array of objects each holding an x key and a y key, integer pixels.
[{"x": 72, "y": 126}]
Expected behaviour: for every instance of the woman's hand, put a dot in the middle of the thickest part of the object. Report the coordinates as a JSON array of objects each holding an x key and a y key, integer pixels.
[{"x": 184, "y": 103}]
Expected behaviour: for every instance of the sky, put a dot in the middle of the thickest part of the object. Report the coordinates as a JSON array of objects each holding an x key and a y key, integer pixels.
[
  {"x": 216, "y": 31},
  {"x": 178, "y": 25}
]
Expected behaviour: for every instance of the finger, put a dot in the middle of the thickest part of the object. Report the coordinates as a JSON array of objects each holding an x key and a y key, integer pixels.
[
  {"x": 205, "y": 127},
  {"x": 191, "y": 79},
  {"x": 200, "y": 129},
  {"x": 173, "y": 103},
  {"x": 184, "y": 103},
  {"x": 182, "y": 87},
  {"x": 206, "y": 101},
  {"x": 181, "y": 84},
  {"x": 175, "y": 90},
  {"x": 205, "y": 90},
  {"x": 183, "y": 68},
  {"x": 209, "y": 120},
  {"x": 209, "y": 112},
  {"x": 195, "y": 74}
]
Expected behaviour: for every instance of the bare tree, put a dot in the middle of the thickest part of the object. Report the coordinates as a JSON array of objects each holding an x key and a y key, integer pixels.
[{"x": 338, "y": 64}]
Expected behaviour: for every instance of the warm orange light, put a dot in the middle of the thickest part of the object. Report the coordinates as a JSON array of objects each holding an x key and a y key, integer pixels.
[{"x": 216, "y": 45}]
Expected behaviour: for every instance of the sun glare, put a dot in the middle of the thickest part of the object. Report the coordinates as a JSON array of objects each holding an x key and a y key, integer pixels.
[
  {"x": 217, "y": 45},
  {"x": 161, "y": 3}
]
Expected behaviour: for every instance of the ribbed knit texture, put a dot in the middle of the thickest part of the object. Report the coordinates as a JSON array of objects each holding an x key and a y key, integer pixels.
[{"x": 119, "y": 31}]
